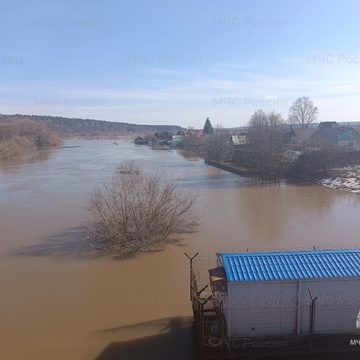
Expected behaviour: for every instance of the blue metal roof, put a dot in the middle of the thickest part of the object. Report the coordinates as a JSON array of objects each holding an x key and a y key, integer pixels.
[{"x": 287, "y": 265}]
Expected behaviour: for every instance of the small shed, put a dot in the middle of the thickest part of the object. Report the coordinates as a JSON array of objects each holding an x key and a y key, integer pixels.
[
  {"x": 176, "y": 139},
  {"x": 285, "y": 293},
  {"x": 194, "y": 133},
  {"x": 349, "y": 138},
  {"x": 239, "y": 140}
]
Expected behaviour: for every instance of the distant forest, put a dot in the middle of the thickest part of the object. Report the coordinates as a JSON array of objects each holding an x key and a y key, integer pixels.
[{"x": 87, "y": 127}]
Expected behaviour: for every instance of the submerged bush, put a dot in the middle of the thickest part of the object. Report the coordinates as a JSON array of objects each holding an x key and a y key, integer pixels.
[
  {"x": 138, "y": 212},
  {"x": 16, "y": 146},
  {"x": 20, "y": 137}
]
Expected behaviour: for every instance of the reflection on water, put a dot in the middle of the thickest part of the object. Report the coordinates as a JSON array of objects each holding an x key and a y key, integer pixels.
[
  {"x": 68, "y": 244},
  {"x": 57, "y": 297},
  {"x": 14, "y": 163}
]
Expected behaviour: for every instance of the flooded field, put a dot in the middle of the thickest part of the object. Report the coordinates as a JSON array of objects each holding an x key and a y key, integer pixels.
[{"x": 59, "y": 301}]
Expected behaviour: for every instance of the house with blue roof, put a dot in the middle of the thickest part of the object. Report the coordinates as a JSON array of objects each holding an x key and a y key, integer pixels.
[{"x": 288, "y": 292}]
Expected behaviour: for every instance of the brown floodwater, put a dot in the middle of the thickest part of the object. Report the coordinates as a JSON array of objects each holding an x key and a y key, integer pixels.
[{"x": 60, "y": 301}]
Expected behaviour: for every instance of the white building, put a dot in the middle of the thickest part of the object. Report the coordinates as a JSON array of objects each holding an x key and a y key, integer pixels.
[{"x": 271, "y": 293}]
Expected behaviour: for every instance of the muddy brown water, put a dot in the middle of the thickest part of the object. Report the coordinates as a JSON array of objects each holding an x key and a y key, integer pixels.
[{"x": 58, "y": 301}]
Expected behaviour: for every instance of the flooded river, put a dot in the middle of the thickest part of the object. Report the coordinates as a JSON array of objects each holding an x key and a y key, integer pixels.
[{"x": 58, "y": 301}]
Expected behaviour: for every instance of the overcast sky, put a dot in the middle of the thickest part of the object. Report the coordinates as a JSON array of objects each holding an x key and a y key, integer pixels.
[{"x": 178, "y": 62}]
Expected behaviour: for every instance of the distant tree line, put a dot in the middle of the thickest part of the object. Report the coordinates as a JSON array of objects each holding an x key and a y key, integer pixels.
[{"x": 76, "y": 126}]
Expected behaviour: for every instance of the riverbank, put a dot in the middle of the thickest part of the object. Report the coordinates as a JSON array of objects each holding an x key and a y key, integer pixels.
[
  {"x": 24, "y": 138},
  {"x": 346, "y": 178},
  {"x": 228, "y": 167},
  {"x": 21, "y": 147}
]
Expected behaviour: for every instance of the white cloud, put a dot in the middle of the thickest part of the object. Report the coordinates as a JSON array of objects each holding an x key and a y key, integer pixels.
[{"x": 227, "y": 93}]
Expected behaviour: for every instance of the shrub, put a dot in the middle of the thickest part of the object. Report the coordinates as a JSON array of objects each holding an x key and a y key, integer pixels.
[
  {"x": 23, "y": 136},
  {"x": 138, "y": 212}
]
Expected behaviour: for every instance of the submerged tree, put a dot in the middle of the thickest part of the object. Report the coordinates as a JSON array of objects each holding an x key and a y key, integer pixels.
[
  {"x": 303, "y": 112},
  {"x": 138, "y": 212},
  {"x": 265, "y": 145},
  {"x": 217, "y": 145}
]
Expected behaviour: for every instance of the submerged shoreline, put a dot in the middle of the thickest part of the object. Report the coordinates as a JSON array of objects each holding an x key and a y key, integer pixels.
[{"x": 346, "y": 178}]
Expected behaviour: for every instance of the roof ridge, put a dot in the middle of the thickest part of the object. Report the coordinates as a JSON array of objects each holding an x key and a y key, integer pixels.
[
  {"x": 290, "y": 265},
  {"x": 289, "y": 252}
]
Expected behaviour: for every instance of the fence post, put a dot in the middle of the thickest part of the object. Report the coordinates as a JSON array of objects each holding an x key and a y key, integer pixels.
[
  {"x": 221, "y": 335},
  {"x": 311, "y": 322},
  {"x": 191, "y": 259}
]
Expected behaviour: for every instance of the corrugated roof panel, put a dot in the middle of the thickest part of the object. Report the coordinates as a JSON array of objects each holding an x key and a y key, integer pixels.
[{"x": 288, "y": 265}]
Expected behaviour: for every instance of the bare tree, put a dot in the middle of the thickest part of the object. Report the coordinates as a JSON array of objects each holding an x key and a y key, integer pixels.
[
  {"x": 128, "y": 167},
  {"x": 275, "y": 119},
  {"x": 192, "y": 145},
  {"x": 303, "y": 112},
  {"x": 217, "y": 145},
  {"x": 138, "y": 212},
  {"x": 265, "y": 140}
]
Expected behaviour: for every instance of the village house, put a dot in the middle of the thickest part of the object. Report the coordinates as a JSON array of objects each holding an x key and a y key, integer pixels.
[
  {"x": 300, "y": 135},
  {"x": 194, "y": 133},
  {"x": 239, "y": 137},
  {"x": 330, "y": 131},
  {"x": 176, "y": 139},
  {"x": 344, "y": 136}
]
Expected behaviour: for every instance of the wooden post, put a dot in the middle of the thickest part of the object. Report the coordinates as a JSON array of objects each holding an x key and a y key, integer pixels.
[
  {"x": 298, "y": 306},
  {"x": 198, "y": 293},
  {"x": 311, "y": 322},
  {"x": 221, "y": 335},
  {"x": 201, "y": 330},
  {"x": 191, "y": 259},
  {"x": 202, "y": 325}
]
